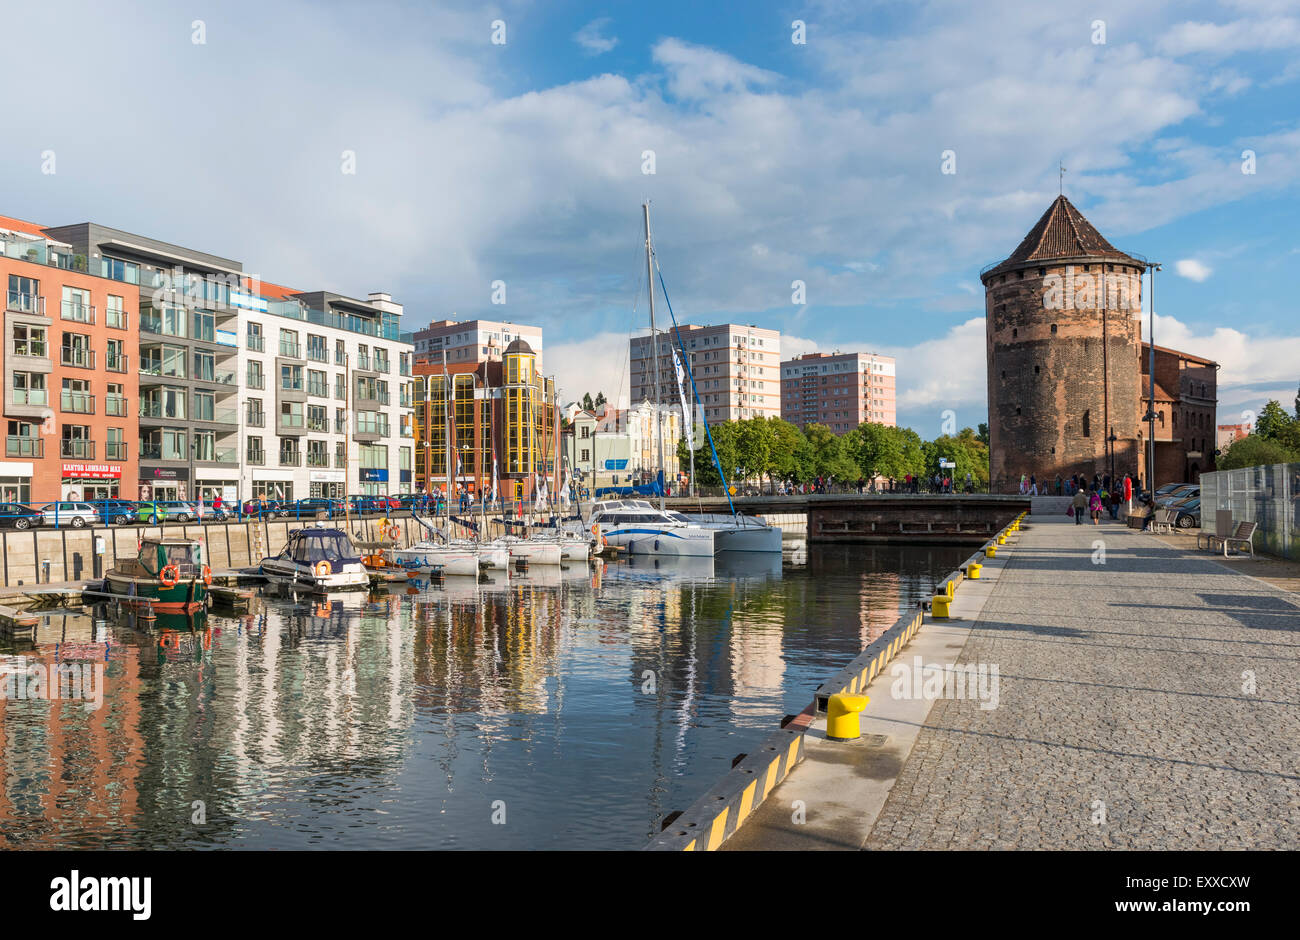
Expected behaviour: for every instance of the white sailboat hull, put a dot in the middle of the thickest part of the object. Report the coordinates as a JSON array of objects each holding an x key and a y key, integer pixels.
[
  {"x": 453, "y": 561},
  {"x": 643, "y": 539}
]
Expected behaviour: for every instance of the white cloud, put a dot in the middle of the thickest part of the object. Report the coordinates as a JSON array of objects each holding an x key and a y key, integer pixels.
[
  {"x": 594, "y": 364},
  {"x": 1274, "y": 32},
  {"x": 591, "y": 40},
  {"x": 1193, "y": 270}
]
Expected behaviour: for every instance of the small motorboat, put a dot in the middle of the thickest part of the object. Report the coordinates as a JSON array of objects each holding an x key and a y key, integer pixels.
[
  {"x": 427, "y": 554},
  {"x": 169, "y": 574},
  {"x": 317, "y": 559}
]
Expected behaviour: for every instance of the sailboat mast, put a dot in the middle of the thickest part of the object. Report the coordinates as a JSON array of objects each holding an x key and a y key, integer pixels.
[
  {"x": 446, "y": 429},
  {"x": 654, "y": 352}
]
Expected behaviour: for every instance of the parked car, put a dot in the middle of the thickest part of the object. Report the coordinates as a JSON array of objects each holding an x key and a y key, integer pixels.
[
  {"x": 266, "y": 508},
  {"x": 119, "y": 511},
  {"x": 409, "y": 501},
  {"x": 151, "y": 512},
  {"x": 76, "y": 515},
  {"x": 316, "y": 505},
  {"x": 18, "y": 516},
  {"x": 1188, "y": 513},
  {"x": 1185, "y": 491},
  {"x": 375, "y": 504}
]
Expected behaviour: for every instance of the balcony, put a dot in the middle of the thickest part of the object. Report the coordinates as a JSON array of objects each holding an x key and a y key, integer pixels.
[
  {"x": 32, "y": 348},
  {"x": 77, "y": 312},
  {"x": 340, "y": 462},
  {"x": 26, "y": 303},
  {"x": 382, "y": 365},
  {"x": 255, "y": 458},
  {"x": 317, "y": 390},
  {"x": 317, "y": 354},
  {"x": 77, "y": 448},
  {"x": 218, "y": 455},
  {"x": 117, "y": 319},
  {"x": 29, "y": 396},
  {"x": 155, "y": 409},
  {"x": 81, "y": 403},
  {"x": 256, "y": 381},
  {"x": 77, "y": 356},
  {"x": 318, "y": 459},
  {"x": 16, "y": 446},
  {"x": 290, "y": 458},
  {"x": 340, "y": 357},
  {"x": 255, "y": 419},
  {"x": 256, "y": 344},
  {"x": 115, "y": 450},
  {"x": 115, "y": 406},
  {"x": 116, "y": 363},
  {"x": 216, "y": 415},
  {"x": 290, "y": 350}
]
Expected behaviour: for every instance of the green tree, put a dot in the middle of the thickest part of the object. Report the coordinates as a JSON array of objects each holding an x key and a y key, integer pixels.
[
  {"x": 1273, "y": 421},
  {"x": 983, "y": 434},
  {"x": 823, "y": 456},
  {"x": 587, "y": 404},
  {"x": 600, "y": 399},
  {"x": 1254, "y": 450}
]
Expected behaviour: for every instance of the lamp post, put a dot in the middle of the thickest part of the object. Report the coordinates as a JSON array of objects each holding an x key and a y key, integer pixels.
[
  {"x": 1111, "y": 441},
  {"x": 1151, "y": 389}
]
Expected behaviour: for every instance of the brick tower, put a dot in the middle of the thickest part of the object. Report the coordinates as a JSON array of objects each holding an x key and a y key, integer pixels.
[{"x": 1063, "y": 317}]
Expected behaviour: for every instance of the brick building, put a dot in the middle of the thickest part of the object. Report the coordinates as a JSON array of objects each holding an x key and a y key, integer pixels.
[{"x": 1066, "y": 364}]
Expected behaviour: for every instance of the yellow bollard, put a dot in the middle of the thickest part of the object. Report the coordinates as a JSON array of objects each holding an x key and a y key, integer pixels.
[
  {"x": 939, "y": 606},
  {"x": 842, "y": 716},
  {"x": 950, "y": 588},
  {"x": 990, "y": 550},
  {"x": 1002, "y": 540},
  {"x": 973, "y": 571}
]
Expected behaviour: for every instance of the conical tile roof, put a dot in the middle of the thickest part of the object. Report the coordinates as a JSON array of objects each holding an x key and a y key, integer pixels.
[{"x": 1063, "y": 232}]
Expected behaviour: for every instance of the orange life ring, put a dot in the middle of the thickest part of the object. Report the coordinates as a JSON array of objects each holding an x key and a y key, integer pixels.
[
  {"x": 324, "y": 568},
  {"x": 595, "y": 530},
  {"x": 169, "y": 580},
  {"x": 207, "y": 575}
]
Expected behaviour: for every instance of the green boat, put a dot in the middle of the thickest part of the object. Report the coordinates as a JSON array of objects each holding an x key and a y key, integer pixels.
[{"x": 169, "y": 572}]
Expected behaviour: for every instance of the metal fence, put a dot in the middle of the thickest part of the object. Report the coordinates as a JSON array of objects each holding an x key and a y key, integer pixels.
[{"x": 1267, "y": 495}]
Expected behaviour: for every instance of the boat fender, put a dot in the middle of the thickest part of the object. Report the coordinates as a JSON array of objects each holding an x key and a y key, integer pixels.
[
  {"x": 323, "y": 568},
  {"x": 169, "y": 576}
]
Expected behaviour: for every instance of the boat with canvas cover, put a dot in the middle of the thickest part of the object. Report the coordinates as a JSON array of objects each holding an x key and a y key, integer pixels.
[
  {"x": 170, "y": 573},
  {"x": 319, "y": 559}
]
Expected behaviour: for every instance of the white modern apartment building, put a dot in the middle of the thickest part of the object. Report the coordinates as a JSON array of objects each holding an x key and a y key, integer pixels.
[
  {"x": 326, "y": 395},
  {"x": 473, "y": 340},
  {"x": 737, "y": 370}
]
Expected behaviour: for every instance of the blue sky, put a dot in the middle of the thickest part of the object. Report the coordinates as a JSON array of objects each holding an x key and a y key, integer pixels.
[{"x": 775, "y": 161}]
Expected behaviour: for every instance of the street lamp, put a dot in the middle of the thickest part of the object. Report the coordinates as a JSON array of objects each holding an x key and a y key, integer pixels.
[{"x": 1111, "y": 441}]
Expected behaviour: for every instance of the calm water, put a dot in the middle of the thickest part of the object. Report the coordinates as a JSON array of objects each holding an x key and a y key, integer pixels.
[{"x": 581, "y": 704}]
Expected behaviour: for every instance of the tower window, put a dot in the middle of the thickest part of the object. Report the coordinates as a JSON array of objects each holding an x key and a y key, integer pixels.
[
  {"x": 1087, "y": 424},
  {"x": 1053, "y": 327},
  {"x": 1004, "y": 373},
  {"x": 1042, "y": 272},
  {"x": 1017, "y": 410},
  {"x": 1020, "y": 274},
  {"x": 1035, "y": 370},
  {"x": 1014, "y": 333}
]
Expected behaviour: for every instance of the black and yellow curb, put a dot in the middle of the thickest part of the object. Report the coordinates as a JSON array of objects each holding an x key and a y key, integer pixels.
[{"x": 715, "y": 817}]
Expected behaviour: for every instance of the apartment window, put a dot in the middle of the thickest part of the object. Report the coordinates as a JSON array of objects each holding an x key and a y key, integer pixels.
[
  {"x": 24, "y": 440},
  {"x": 30, "y": 340},
  {"x": 75, "y": 442},
  {"x": 363, "y": 356},
  {"x": 289, "y": 343},
  {"x": 169, "y": 321},
  {"x": 340, "y": 387},
  {"x": 115, "y": 313},
  {"x": 205, "y": 366},
  {"x": 127, "y": 272},
  {"x": 372, "y": 422},
  {"x": 76, "y": 398},
  {"x": 76, "y": 305},
  {"x": 205, "y": 406},
  {"x": 316, "y": 348},
  {"x": 317, "y": 454},
  {"x": 255, "y": 379},
  {"x": 340, "y": 421},
  {"x": 290, "y": 414},
  {"x": 115, "y": 356},
  {"x": 24, "y": 295},
  {"x": 256, "y": 341},
  {"x": 205, "y": 326},
  {"x": 115, "y": 401},
  {"x": 340, "y": 454},
  {"x": 340, "y": 353},
  {"x": 381, "y": 359},
  {"x": 76, "y": 351},
  {"x": 254, "y": 415},
  {"x": 290, "y": 456},
  {"x": 291, "y": 378},
  {"x": 254, "y": 452},
  {"x": 205, "y": 445},
  {"x": 316, "y": 384},
  {"x": 165, "y": 401},
  {"x": 317, "y": 418}
]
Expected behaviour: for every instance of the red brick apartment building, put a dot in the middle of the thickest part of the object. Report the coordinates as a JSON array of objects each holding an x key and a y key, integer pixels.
[{"x": 71, "y": 391}]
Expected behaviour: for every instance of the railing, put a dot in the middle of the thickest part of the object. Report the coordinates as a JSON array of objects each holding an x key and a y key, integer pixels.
[
  {"x": 289, "y": 349},
  {"x": 382, "y": 365},
  {"x": 115, "y": 406},
  {"x": 255, "y": 458},
  {"x": 154, "y": 409},
  {"x": 224, "y": 377},
  {"x": 363, "y": 363},
  {"x": 340, "y": 461},
  {"x": 318, "y": 390},
  {"x": 32, "y": 347},
  {"x": 27, "y": 303},
  {"x": 81, "y": 313},
  {"x": 290, "y": 458},
  {"x": 257, "y": 344},
  {"x": 340, "y": 358},
  {"x": 116, "y": 363},
  {"x": 317, "y": 355},
  {"x": 318, "y": 424},
  {"x": 255, "y": 419},
  {"x": 16, "y": 446},
  {"x": 82, "y": 403},
  {"x": 78, "y": 448},
  {"x": 218, "y": 455},
  {"x": 316, "y": 459},
  {"x": 77, "y": 356},
  {"x": 290, "y": 420},
  {"x": 340, "y": 426},
  {"x": 115, "y": 450},
  {"x": 117, "y": 318},
  {"x": 256, "y": 381},
  {"x": 29, "y": 396}
]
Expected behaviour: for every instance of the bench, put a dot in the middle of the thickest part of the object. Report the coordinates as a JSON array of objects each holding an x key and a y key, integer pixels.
[
  {"x": 1242, "y": 536},
  {"x": 1164, "y": 520}
]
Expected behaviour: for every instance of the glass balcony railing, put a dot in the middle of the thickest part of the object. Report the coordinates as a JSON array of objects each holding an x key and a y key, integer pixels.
[
  {"x": 29, "y": 396},
  {"x": 78, "y": 312},
  {"x": 317, "y": 390},
  {"x": 290, "y": 420},
  {"x": 217, "y": 455},
  {"x": 317, "y": 353},
  {"x": 256, "y": 344},
  {"x": 77, "y": 356},
  {"x": 77, "y": 448},
  {"x": 224, "y": 377},
  {"x": 115, "y": 406},
  {"x": 381, "y": 365},
  {"x": 115, "y": 450},
  {"x": 26, "y": 303},
  {"x": 16, "y": 446},
  {"x": 255, "y": 381},
  {"x": 82, "y": 403},
  {"x": 156, "y": 409},
  {"x": 31, "y": 347},
  {"x": 256, "y": 458},
  {"x": 315, "y": 459},
  {"x": 116, "y": 363},
  {"x": 289, "y": 350},
  {"x": 117, "y": 318},
  {"x": 290, "y": 458},
  {"x": 255, "y": 419}
]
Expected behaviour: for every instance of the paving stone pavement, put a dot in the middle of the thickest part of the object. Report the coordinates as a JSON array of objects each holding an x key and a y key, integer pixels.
[{"x": 1125, "y": 688}]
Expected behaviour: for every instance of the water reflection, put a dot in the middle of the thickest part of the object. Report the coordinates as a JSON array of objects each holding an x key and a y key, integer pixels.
[{"x": 586, "y": 701}]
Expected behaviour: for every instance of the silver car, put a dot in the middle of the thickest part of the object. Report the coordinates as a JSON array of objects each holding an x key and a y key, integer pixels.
[{"x": 77, "y": 515}]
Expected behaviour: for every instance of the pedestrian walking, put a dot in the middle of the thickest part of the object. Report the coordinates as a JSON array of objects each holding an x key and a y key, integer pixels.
[
  {"x": 1116, "y": 497},
  {"x": 1094, "y": 507},
  {"x": 1080, "y": 505}
]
